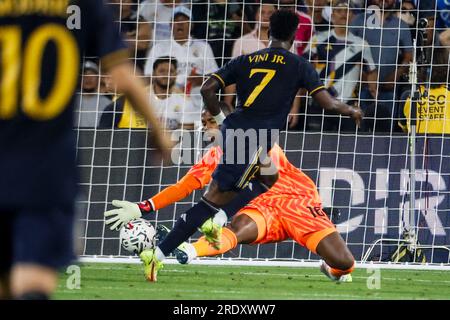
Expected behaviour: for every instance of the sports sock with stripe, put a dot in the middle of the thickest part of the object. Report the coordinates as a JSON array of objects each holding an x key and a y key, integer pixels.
[{"x": 228, "y": 241}]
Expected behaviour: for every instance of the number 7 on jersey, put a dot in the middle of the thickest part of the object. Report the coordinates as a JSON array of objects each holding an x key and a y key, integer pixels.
[{"x": 259, "y": 88}]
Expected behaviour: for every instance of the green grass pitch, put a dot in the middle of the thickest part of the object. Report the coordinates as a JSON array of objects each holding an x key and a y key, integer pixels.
[{"x": 202, "y": 282}]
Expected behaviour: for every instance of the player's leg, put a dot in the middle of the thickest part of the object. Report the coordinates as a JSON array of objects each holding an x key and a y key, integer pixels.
[
  {"x": 189, "y": 222},
  {"x": 310, "y": 226},
  {"x": 33, "y": 281},
  {"x": 265, "y": 175},
  {"x": 185, "y": 227},
  {"x": 213, "y": 227},
  {"x": 43, "y": 243},
  {"x": 222, "y": 190},
  {"x": 315, "y": 231},
  {"x": 228, "y": 180},
  {"x": 246, "y": 227},
  {"x": 242, "y": 229},
  {"x": 339, "y": 261},
  {"x": 251, "y": 179}
]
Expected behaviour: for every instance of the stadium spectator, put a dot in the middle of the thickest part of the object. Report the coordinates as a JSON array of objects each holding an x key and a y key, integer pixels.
[
  {"x": 343, "y": 61},
  {"x": 136, "y": 30},
  {"x": 160, "y": 13},
  {"x": 195, "y": 57},
  {"x": 320, "y": 12},
  {"x": 219, "y": 23},
  {"x": 91, "y": 103},
  {"x": 174, "y": 109},
  {"x": 391, "y": 45},
  {"x": 259, "y": 38},
  {"x": 408, "y": 14},
  {"x": 433, "y": 107}
]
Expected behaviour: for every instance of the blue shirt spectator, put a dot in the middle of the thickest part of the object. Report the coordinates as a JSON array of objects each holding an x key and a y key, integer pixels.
[
  {"x": 391, "y": 45},
  {"x": 386, "y": 42}
]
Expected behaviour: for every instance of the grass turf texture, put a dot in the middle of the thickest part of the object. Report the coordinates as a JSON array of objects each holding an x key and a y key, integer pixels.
[{"x": 126, "y": 281}]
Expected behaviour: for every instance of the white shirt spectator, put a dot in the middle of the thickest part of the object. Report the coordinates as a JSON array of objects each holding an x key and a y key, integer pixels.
[
  {"x": 160, "y": 15},
  {"x": 247, "y": 44},
  {"x": 194, "y": 55},
  {"x": 175, "y": 111}
]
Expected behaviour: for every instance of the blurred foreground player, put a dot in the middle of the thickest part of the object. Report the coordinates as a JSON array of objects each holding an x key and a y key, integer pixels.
[
  {"x": 41, "y": 59},
  {"x": 267, "y": 82},
  {"x": 292, "y": 208}
]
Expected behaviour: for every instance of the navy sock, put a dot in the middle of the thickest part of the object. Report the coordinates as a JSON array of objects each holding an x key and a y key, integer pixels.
[
  {"x": 254, "y": 189},
  {"x": 186, "y": 226}
]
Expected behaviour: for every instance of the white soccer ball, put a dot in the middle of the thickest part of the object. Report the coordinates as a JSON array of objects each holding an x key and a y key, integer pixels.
[{"x": 137, "y": 235}]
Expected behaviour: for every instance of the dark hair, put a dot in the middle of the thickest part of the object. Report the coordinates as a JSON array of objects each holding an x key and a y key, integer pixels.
[
  {"x": 439, "y": 68},
  {"x": 436, "y": 73},
  {"x": 283, "y": 24},
  {"x": 165, "y": 59}
]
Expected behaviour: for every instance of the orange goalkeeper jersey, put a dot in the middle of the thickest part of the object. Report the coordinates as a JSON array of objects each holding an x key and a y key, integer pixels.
[{"x": 292, "y": 189}]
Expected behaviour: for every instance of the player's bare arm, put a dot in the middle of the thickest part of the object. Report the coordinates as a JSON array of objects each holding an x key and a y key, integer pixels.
[
  {"x": 327, "y": 102},
  {"x": 212, "y": 104},
  {"x": 372, "y": 78}
]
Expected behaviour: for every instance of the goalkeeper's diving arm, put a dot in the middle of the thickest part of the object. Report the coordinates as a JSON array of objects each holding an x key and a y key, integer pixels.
[{"x": 127, "y": 211}]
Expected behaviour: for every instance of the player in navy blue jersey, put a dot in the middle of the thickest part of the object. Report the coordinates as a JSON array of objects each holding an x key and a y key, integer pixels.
[
  {"x": 41, "y": 52},
  {"x": 266, "y": 84}
]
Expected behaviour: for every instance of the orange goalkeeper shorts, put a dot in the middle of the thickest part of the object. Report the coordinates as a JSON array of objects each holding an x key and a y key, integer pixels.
[{"x": 307, "y": 226}]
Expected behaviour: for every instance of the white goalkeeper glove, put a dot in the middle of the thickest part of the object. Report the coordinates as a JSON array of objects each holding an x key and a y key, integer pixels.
[{"x": 127, "y": 211}]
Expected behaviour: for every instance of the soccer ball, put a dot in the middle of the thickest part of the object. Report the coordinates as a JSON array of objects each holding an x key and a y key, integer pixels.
[{"x": 137, "y": 235}]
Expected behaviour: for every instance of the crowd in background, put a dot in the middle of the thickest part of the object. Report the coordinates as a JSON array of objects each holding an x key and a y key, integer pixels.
[{"x": 361, "y": 53}]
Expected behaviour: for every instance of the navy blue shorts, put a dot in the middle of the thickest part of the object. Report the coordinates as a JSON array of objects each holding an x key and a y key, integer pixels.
[
  {"x": 243, "y": 153},
  {"x": 36, "y": 236}
]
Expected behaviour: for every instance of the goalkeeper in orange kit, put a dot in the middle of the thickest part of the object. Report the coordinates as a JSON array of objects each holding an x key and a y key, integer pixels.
[{"x": 290, "y": 209}]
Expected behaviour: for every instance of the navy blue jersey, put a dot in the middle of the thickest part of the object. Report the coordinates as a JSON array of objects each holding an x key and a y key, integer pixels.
[
  {"x": 42, "y": 44},
  {"x": 266, "y": 84}
]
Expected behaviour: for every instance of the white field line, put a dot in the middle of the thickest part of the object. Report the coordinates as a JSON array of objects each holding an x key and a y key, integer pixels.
[
  {"x": 412, "y": 279},
  {"x": 269, "y": 263}
]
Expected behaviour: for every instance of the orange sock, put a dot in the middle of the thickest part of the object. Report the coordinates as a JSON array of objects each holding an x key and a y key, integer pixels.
[
  {"x": 338, "y": 273},
  {"x": 228, "y": 241}
]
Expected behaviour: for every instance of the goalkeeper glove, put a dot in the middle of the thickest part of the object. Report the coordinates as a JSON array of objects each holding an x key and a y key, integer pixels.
[{"x": 127, "y": 211}]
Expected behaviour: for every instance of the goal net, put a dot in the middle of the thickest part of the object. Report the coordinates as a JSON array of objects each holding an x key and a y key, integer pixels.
[{"x": 361, "y": 52}]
